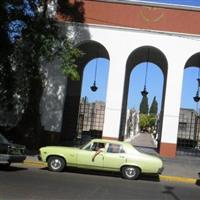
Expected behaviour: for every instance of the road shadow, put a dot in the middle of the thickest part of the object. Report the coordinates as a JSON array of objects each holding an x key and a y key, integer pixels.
[
  {"x": 150, "y": 177},
  {"x": 11, "y": 168},
  {"x": 87, "y": 172},
  {"x": 143, "y": 177},
  {"x": 198, "y": 180},
  {"x": 170, "y": 192}
]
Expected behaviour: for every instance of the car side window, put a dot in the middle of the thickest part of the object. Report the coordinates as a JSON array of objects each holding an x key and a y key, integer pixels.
[
  {"x": 3, "y": 139},
  {"x": 115, "y": 148},
  {"x": 97, "y": 145},
  {"x": 88, "y": 147}
]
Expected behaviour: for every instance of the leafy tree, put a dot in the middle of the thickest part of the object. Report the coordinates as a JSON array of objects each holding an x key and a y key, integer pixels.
[
  {"x": 144, "y": 107},
  {"x": 147, "y": 122},
  {"x": 152, "y": 121},
  {"x": 144, "y": 122},
  {"x": 154, "y": 107},
  {"x": 28, "y": 38}
]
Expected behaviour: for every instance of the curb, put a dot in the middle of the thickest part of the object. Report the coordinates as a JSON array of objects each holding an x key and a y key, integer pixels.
[
  {"x": 161, "y": 177},
  {"x": 178, "y": 179},
  {"x": 35, "y": 163}
]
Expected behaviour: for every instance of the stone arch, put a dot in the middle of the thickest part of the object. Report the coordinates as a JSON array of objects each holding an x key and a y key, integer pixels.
[
  {"x": 193, "y": 60},
  {"x": 188, "y": 136},
  {"x": 138, "y": 56},
  {"x": 91, "y": 49}
]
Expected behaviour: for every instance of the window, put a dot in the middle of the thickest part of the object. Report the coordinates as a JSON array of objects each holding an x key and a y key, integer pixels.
[
  {"x": 87, "y": 147},
  {"x": 182, "y": 126},
  {"x": 97, "y": 145},
  {"x": 3, "y": 139},
  {"x": 115, "y": 148},
  {"x": 94, "y": 146}
]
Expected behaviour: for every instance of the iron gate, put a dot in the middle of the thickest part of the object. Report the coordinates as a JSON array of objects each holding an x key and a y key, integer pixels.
[
  {"x": 188, "y": 141},
  {"x": 90, "y": 120}
]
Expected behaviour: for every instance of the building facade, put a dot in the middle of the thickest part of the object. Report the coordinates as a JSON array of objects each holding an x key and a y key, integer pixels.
[
  {"x": 132, "y": 123},
  {"x": 123, "y": 32},
  {"x": 91, "y": 116}
]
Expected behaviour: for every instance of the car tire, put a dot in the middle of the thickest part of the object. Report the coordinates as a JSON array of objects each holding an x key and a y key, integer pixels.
[
  {"x": 130, "y": 172},
  {"x": 6, "y": 165},
  {"x": 56, "y": 164}
]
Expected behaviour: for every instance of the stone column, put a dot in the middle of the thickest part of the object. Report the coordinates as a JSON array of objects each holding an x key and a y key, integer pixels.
[
  {"x": 172, "y": 105},
  {"x": 114, "y": 92}
]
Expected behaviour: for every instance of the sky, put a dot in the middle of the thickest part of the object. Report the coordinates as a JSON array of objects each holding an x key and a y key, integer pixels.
[
  {"x": 154, "y": 83},
  {"x": 101, "y": 79},
  {"x": 174, "y": 2},
  {"x": 154, "y": 77}
]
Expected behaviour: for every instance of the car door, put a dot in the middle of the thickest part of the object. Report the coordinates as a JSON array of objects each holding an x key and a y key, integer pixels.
[
  {"x": 114, "y": 157},
  {"x": 85, "y": 157}
]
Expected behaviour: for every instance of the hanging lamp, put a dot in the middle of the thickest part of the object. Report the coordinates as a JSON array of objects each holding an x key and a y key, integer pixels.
[
  {"x": 94, "y": 87},
  {"x": 144, "y": 92},
  {"x": 197, "y": 98}
]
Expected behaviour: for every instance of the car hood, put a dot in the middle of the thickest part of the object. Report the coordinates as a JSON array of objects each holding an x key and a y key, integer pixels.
[
  {"x": 18, "y": 146},
  {"x": 58, "y": 148}
]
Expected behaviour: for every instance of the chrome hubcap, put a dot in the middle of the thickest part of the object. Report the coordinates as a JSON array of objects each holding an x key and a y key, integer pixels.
[
  {"x": 130, "y": 171},
  {"x": 55, "y": 164}
]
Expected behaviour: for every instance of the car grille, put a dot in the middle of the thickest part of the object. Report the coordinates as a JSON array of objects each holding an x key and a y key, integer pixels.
[{"x": 16, "y": 151}]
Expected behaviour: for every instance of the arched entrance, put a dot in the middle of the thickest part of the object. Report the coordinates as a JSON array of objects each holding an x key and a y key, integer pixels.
[
  {"x": 91, "y": 50},
  {"x": 188, "y": 141},
  {"x": 137, "y": 57}
]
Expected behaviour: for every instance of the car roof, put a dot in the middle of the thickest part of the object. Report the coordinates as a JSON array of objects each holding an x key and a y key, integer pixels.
[{"x": 110, "y": 141}]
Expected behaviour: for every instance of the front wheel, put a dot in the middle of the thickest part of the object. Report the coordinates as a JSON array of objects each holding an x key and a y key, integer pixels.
[
  {"x": 56, "y": 164},
  {"x": 130, "y": 172},
  {"x": 6, "y": 165}
]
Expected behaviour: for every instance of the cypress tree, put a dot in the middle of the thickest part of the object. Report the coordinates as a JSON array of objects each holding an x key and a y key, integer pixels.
[
  {"x": 154, "y": 107},
  {"x": 144, "y": 107}
]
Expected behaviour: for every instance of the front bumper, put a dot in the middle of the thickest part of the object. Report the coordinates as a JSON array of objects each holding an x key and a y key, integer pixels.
[
  {"x": 39, "y": 158},
  {"x": 12, "y": 158},
  {"x": 160, "y": 170}
]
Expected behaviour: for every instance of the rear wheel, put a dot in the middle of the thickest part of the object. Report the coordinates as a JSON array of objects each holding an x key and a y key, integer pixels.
[
  {"x": 130, "y": 172},
  {"x": 56, "y": 163}
]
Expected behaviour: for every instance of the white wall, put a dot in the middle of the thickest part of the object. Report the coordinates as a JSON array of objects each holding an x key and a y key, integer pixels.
[{"x": 120, "y": 42}]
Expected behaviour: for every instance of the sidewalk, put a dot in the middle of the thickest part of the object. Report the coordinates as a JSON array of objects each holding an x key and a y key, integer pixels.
[{"x": 180, "y": 166}]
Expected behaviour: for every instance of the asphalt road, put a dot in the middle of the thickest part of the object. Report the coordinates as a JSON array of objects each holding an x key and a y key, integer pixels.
[{"x": 31, "y": 183}]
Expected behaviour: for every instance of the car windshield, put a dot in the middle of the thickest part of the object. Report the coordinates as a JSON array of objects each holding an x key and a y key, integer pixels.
[
  {"x": 84, "y": 145},
  {"x": 3, "y": 139}
]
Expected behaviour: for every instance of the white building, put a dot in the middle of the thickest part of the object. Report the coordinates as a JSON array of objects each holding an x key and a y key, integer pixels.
[{"x": 123, "y": 32}]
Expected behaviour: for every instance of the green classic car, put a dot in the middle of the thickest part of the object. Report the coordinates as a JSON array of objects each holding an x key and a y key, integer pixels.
[{"x": 101, "y": 154}]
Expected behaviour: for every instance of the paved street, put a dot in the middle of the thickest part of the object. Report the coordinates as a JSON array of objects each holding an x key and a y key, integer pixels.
[{"x": 28, "y": 182}]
